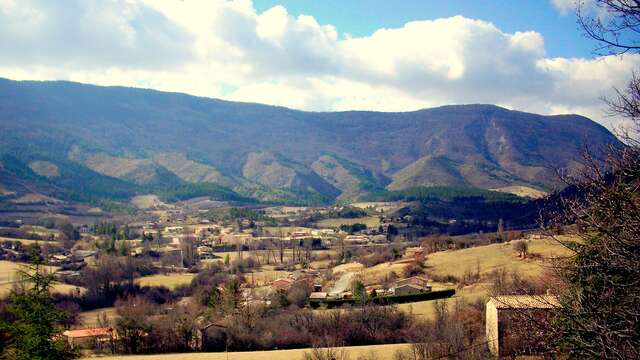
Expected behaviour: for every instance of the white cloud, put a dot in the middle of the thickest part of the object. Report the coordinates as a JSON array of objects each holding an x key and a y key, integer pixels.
[
  {"x": 208, "y": 47},
  {"x": 564, "y": 6}
]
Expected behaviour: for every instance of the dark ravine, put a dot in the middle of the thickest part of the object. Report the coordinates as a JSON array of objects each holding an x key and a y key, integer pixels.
[{"x": 83, "y": 138}]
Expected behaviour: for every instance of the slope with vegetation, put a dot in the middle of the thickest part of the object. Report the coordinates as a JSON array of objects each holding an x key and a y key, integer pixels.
[{"x": 87, "y": 139}]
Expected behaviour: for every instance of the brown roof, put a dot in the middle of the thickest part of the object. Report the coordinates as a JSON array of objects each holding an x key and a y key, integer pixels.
[
  {"x": 411, "y": 286},
  {"x": 90, "y": 332},
  {"x": 282, "y": 283},
  {"x": 411, "y": 280},
  {"x": 524, "y": 301}
]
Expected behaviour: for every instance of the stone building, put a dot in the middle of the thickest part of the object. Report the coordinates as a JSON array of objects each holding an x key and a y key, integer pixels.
[{"x": 509, "y": 320}]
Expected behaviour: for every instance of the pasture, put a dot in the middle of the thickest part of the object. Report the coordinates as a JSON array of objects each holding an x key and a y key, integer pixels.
[
  {"x": 170, "y": 281},
  {"x": 495, "y": 256},
  {"x": 9, "y": 276},
  {"x": 370, "y": 221},
  {"x": 90, "y": 318}
]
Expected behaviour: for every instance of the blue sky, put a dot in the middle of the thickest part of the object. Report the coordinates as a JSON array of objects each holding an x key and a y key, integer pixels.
[
  {"x": 321, "y": 55},
  {"x": 363, "y": 17}
]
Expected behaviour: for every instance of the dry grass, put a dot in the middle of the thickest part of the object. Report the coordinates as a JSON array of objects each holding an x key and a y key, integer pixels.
[
  {"x": 382, "y": 352},
  {"x": 146, "y": 201},
  {"x": 90, "y": 318},
  {"x": 349, "y": 267},
  {"x": 29, "y": 241},
  {"x": 370, "y": 221},
  {"x": 524, "y": 191},
  {"x": 492, "y": 257},
  {"x": 9, "y": 276},
  {"x": 457, "y": 262},
  {"x": 265, "y": 277},
  {"x": 233, "y": 255},
  {"x": 426, "y": 309},
  {"x": 375, "y": 274},
  {"x": 170, "y": 281},
  {"x": 284, "y": 230},
  {"x": 57, "y": 287},
  {"x": 8, "y": 270}
]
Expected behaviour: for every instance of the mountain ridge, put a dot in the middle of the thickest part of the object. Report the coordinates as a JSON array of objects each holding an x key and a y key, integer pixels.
[{"x": 157, "y": 140}]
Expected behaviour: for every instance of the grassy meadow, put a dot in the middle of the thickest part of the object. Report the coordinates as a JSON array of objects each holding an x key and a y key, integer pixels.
[
  {"x": 9, "y": 276},
  {"x": 170, "y": 281}
]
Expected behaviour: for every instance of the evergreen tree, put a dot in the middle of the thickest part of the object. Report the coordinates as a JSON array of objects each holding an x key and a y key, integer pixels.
[{"x": 34, "y": 331}]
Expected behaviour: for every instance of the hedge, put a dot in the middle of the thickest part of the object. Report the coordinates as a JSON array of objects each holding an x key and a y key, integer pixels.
[{"x": 385, "y": 300}]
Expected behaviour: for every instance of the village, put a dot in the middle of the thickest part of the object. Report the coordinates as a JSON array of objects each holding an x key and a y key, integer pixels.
[{"x": 236, "y": 259}]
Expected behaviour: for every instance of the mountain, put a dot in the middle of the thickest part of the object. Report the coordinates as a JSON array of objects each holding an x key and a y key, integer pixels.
[{"x": 117, "y": 142}]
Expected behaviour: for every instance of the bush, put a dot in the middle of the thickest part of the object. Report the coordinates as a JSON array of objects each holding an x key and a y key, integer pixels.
[
  {"x": 413, "y": 269},
  {"x": 521, "y": 247}
]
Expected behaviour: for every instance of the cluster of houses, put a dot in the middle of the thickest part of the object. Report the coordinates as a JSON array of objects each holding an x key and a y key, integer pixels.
[{"x": 209, "y": 236}]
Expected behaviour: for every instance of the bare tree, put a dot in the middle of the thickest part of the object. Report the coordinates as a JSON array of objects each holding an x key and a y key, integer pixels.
[
  {"x": 599, "y": 292},
  {"x": 521, "y": 247},
  {"x": 613, "y": 24}
]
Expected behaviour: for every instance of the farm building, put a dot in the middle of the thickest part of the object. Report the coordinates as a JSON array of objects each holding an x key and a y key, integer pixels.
[
  {"x": 508, "y": 330},
  {"x": 318, "y": 296},
  {"x": 90, "y": 337},
  {"x": 408, "y": 289},
  {"x": 414, "y": 280},
  {"x": 282, "y": 284}
]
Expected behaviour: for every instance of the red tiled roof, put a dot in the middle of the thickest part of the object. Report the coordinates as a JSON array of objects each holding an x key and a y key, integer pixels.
[{"x": 282, "y": 283}]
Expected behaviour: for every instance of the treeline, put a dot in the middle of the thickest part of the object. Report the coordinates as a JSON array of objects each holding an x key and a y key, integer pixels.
[
  {"x": 184, "y": 191},
  {"x": 235, "y": 213},
  {"x": 446, "y": 193},
  {"x": 459, "y": 211}
]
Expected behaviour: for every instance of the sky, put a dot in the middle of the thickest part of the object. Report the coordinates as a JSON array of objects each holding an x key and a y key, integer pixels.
[{"x": 321, "y": 55}]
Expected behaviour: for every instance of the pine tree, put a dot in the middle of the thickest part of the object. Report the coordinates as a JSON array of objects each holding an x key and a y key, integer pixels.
[{"x": 33, "y": 331}]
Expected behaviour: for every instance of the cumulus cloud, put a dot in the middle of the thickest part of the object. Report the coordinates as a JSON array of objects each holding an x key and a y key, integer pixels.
[
  {"x": 89, "y": 34},
  {"x": 227, "y": 49}
]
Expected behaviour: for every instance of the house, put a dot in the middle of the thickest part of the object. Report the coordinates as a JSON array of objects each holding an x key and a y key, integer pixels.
[
  {"x": 356, "y": 239},
  {"x": 205, "y": 252},
  {"x": 409, "y": 289},
  {"x": 318, "y": 296},
  {"x": 282, "y": 284},
  {"x": 173, "y": 229},
  {"x": 414, "y": 280},
  {"x": 90, "y": 337},
  {"x": 58, "y": 259},
  {"x": 88, "y": 256},
  {"x": 507, "y": 334},
  {"x": 236, "y": 239}
]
